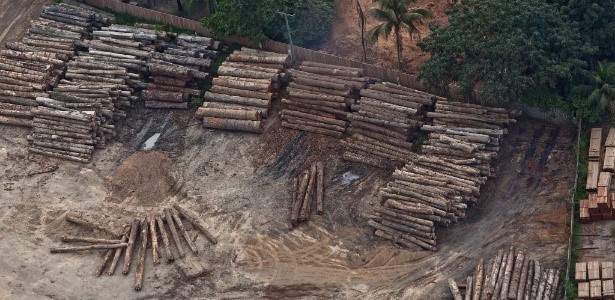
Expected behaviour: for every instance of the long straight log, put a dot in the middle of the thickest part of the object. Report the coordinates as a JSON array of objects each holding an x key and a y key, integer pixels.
[
  {"x": 240, "y": 92},
  {"x": 228, "y": 71},
  {"x": 241, "y": 114},
  {"x": 118, "y": 252},
  {"x": 454, "y": 289},
  {"x": 309, "y": 88},
  {"x": 490, "y": 287},
  {"x": 178, "y": 244},
  {"x": 314, "y": 96},
  {"x": 313, "y": 117},
  {"x": 319, "y": 188},
  {"x": 324, "y": 104},
  {"x": 298, "y": 201},
  {"x": 528, "y": 283},
  {"x": 72, "y": 239},
  {"x": 89, "y": 247},
  {"x": 166, "y": 105},
  {"x": 182, "y": 229},
  {"x": 78, "y": 157},
  {"x": 479, "y": 276},
  {"x": 544, "y": 277},
  {"x": 197, "y": 222},
  {"x": 307, "y": 200},
  {"x": 233, "y": 124},
  {"x": 152, "y": 229},
  {"x": 165, "y": 239},
  {"x": 236, "y": 99},
  {"x": 101, "y": 268},
  {"x": 500, "y": 278},
  {"x": 318, "y": 130},
  {"x": 134, "y": 232},
  {"x": 536, "y": 280},
  {"x": 243, "y": 84},
  {"x": 141, "y": 259},
  {"x": 516, "y": 277},
  {"x": 154, "y": 95}
]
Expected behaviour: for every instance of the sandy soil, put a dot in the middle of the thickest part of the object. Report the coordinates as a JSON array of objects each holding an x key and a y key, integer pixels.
[
  {"x": 13, "y": 16},
  {"x": 345, "y": 37},
  {"x": 240, "y": 185}
]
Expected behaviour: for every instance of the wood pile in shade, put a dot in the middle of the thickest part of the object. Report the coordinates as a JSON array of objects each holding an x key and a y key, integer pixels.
[
  {"x": 382, "y": 123},
  {"x": 307, "y": 188},
  {"x": 161, "y": 236},
  {"x": 242, "y": 94},
  {"x": 512, "y": 274},
  {"x": 319, "y": 96},
  {"x": 177, "y": 75},
  {"x": 599, "y": 204},
  {"x": 62, "y": 132},
  {"x": 594, "y": 280},
  {"x": 437, "y": 186}
]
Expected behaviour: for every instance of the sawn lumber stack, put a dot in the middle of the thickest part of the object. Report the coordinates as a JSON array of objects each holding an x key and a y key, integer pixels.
[
  {"x": 600, "y": 202},
  {"x": 242, "y": 94},
  {"x": 319, "y": 96}
]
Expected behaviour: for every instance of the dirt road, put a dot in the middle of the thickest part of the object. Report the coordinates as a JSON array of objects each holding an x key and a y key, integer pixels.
[
  {"x": 15, "y": 18},
  {"x": 240, "y": 183}
]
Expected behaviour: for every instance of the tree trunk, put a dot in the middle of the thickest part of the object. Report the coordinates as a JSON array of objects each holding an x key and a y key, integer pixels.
[
  {"x": 398, "y": 43},
  {"x": 174, "y": 233}
]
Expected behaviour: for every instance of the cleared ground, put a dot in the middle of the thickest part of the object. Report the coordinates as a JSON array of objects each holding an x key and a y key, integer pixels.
[
  {"x": 240, "y": 183},
  {"x": 15, "y": 17}
]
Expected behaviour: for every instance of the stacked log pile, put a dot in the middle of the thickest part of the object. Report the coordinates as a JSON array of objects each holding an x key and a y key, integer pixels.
[
  {"x": 36, "y": 63},
  {"x": 160, "y": 232},
  {"x": 307, "y": 187},
  {"x": 594, "y": 280},
  {"x": 62, "y": 132},
  {"x": 510, "y": 275},
  {"x": 600, "y": 202},
  {"x": 177, "y": 74},
  {"x": 382, "y": 123},
  {"x": 436, "y": 187},
  {"x": 242, "y": 94},
  {"x": 319, "y": 97}
]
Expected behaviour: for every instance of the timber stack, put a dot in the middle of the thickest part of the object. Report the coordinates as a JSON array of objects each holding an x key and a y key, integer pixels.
[
  {"x": 36, "y": 63},
  {"x": 511, "y": 275},
  {"x": 163, "y": 233},
  {"x": 594, "y": 280},
  {"x": 177, "y": 74},
  {"x": 307, "y": 188},
  {"x": 319, "y": 96},
  {"x": 62, "y": 132},
  {"x": 243, "y": 93},
  {"x": 382, "y": 123},
  {"x": 600, "y": 202},
  {"x": 436, "y": 187}
]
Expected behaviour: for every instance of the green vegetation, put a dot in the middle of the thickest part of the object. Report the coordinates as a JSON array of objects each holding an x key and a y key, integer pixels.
[
  {"x": 395, "y": 16},
  {"x": 310, "y": 22},
  {"x": 56, "y": 1},
  {"x": 417, "y": 143},
  {"x": 130, "y": 20}
]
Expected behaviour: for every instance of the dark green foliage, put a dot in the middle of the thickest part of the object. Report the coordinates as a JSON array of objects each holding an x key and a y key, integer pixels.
[
  {"x": 57, "y": 1},
  {"x": 310, "y": 23},
  {"x": 596, "y": 21},
  {"x": 395, "y": 16},
  {"x": 504, "y": 48},
  {"x": 598, "y": 87}
]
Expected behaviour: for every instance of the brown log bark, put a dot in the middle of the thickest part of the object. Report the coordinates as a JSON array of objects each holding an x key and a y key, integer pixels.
[
  {"x": 72, "y": 239},
  {"x": 78, "y": 157},
  {"x": 469, "y": 286},
  {"x": 89, "y": 247},
  {"x": 236, "y": 72},
  {"x": 166, "y": 105},
  {"x": 162, "y": 96},
  {"x": 393, "y": 132},
  {"x": 332, "y": 70},
  {"x": 319, "y": 188},
  {"x": 314, "y": 96},
  {"x": 241, "y": 114},
  {"x": 240, "y": 92},
  {"x": 236, "y": 100},
  {"x": 182, "y": 229},
  {"x": 259, "y": 59},
  {"x": 396, "y": 233},
  {"x": 298, "y": 114},
  {"x": 142, "y": 254},
  {"x": 516, "y": 276},
  {"x": 233, "y": 124},
  {"x": 326, "y": 105},
  {"x": 298, "y": 201},
  {"x": 182, "y": 60},
  {"x": 523, "y": 280},
  {"x": 169, "y": 71},
  {"x": 397, "y": 240},
  {"x": 536, "y": 280},
  {"x": 197, "y": 222},
  {"x": 152, "y": 229},
  {"x": 308, "y": 81},
  {"x": 479, "y": 276},
  {"x": 108, "y": 255},
  {"x": 454, "y": 289},
  {"x": 243, "y": 84},
  {"x": 182, "y": 52},
  {"x": 494, "y": 274},
  {"x": 309, "y": 88},
  {"x": 118, "y": 252},
  {"x": 163, "y": 80},
  {"x": 376, "y": 121},
  {"x": 178, "y": 244},
  {"x": 542, "y": 285},
  {"x": 318, "y": 130},
  {"x": 165, "y": 239},
  {"x": 134, "y": 232},
  {"x": 94, "y": 78},
  {"x": 32, "y": 56},
  {"x": 306, "y": 206}
]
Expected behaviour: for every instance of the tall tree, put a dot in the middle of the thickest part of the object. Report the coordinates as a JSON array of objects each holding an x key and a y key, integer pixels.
[
  {"x": 596, "y": 20},
  {"x": 395, "y": 16},
  {"x": 504, "y": 47},
  {"x": 599, "y": 86}
]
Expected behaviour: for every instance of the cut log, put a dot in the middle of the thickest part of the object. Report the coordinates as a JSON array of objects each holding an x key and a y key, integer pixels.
[
  {"x": 228, "y": 71},
  {"x": 324, "y": 131},
  {"x": 233, "y": 124},
  {"x": 134, "y": 232},
  {"x": 163, "y": 96},
  {"x": 516, "y": 275},
  {"x": 197, "y": 222},
  {"x": 72, "y": 239},
  {"x": 165, "y": 239},
  {"x": 118, "y": 252},
  {"x": 319, "y": 188},
  {"x": 522, "y": 280},
  {"x": 243, "y": 84},
  {"x": 454, "y": 289},
  {"x": 101, "y": 268},
  {"x": 479, "y": 276},
  {"x": 306, "y": 207},
  {"x": 182, "y": 229},
  {"x": 166, "y": 105},
  {"x": 142, "y": 254},
  {"x": 236, "y": 100},
  {"x": 253, "y": 115},
  {"x": 259, "y": 59},
  {"x": 241, "y": 92},
  {"x": 152, "y": 229},
  {"x": 178, "y": 244},
  {"x": 536, "y": 280},
  {"x": 298, "y": 201},
  {"x": 89, "y": 247}
]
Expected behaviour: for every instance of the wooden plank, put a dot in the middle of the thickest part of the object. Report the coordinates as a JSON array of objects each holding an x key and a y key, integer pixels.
[
  {"x": 593, "y": 270},
  {"x": 593, "y": 204},
  {"x": 593, "y": 172},
  {"x": 595, "y": 143},
  {"x": 595, "y": 289},
  {"x": 604, "y": 179},
  {"x": 580, "y": 272},
  {"x": 607, "y": 270},
  {"x": 584, "y": 215},
  {"x": 583, "y": 290},
  {"x": 609, "y": 159},
  {"x": 610, "y": 139}
]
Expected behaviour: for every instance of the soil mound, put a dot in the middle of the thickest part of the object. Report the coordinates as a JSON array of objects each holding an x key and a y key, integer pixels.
[{"x": 144, "y": 178}]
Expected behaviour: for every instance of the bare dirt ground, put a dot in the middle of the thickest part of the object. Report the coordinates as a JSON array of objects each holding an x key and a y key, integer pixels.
[
  {"x": 345, "y": 37},
  {"x": 13, "y": 16},
  {"x": 240, "y": 185}
]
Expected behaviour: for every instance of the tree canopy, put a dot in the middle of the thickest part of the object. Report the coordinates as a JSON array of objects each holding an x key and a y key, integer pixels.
[
  {"x": 504, "y": 47},
  {"x": 310, "y": 23}
]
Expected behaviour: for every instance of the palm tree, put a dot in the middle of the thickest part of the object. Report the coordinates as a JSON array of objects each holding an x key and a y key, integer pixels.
[
  {"x": 600, "y": 86},
  {"x": 395, "y": 15}
]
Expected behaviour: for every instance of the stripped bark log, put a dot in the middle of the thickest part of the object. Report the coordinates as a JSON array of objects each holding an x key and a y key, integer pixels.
[
  {"x": 307, "y": 201},
  {"x": 89, "y": 247},
  {"x": 178, "y": 244},
  {"x": 320, "y": 188},
  {"x": 245, "y": 114},
  {"x": 118, "y": 252},
  {"x": 165, "y": 239},
  {"x": 197, "y": 222},
  {"x": 182, "y": 229},
  {"x": 141, "y": 259},
  {"x": 454, "y": 289},
  {"x": 152, "y": 229},
  {"x": 134, "y": 232}
]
